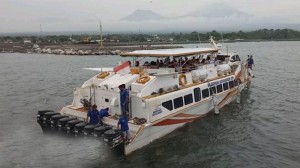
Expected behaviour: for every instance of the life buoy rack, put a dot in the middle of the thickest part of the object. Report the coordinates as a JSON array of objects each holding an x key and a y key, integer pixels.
[
  {"x": 103, "y": 75},
  {"x": 143, "y": 79},
  {"x": 182, "y": 80}
]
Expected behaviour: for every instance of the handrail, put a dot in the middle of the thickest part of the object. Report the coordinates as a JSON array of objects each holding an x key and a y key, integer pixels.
[{"x": 137, "y": 133}]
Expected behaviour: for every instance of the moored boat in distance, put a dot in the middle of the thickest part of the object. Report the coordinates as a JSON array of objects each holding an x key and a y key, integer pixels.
[{"x": 177, "y": 87}]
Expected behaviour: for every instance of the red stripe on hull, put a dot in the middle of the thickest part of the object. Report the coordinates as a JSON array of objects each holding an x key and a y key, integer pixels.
[
  {"x": 186, "y": 115},
  {"x": 230, "y": 94},
  {"x": 239, "y": 75},
  {"x": 174, "y": 121}
]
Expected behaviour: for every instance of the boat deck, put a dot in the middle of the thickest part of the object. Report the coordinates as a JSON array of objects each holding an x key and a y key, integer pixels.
[
  {"x": 80, "y": 113},
  {"x": 187, "y": 86}
]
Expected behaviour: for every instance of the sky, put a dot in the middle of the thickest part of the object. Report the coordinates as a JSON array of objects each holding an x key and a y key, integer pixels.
[{"x": 180, "y": 15}]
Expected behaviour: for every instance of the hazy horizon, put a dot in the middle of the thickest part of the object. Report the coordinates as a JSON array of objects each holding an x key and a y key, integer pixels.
[{"x": 142, "y": 16}]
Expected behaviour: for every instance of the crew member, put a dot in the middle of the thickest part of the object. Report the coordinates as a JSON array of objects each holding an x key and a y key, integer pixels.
[
  {"x": 124, "y": 99},
  {"x": 123, "y": 122},
  {"x": 103, "y": 113},
  {"x": 92, "y": 116},
  {"x": 250, "y": 62}
]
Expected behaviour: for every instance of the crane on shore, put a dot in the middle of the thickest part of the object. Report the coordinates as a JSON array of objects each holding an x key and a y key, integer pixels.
[{"x": 101, "y": 40}]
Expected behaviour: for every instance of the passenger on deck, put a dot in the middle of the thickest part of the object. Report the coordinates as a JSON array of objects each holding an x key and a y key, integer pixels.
[
  {"x": 194, "y": 60},
  {"x": 167, "y": 61},
  {"x": 137, "y": 63},
  {"x": 185, "y": 68},
  {"x": 123, "y": 122},
  {"x": 161, "y": 64},
  {"x": 207, "y": 61},
  {"x": 186, "y": 59},
  {"x": 146, "y": 63},
  {"x": 173, "y": 63},
  {"x": 92, "y": 116},
  {"x": 203, "y": 61},
  {"x": 217, "y": 62},
  {"x": 180, "y": 61},
  {"x": 103, "y": 113},
  {"x": 153, "y": 64}
]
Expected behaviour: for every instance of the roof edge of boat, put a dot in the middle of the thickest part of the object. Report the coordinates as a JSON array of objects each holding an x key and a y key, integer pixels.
[{"x": 179, "y": 52}]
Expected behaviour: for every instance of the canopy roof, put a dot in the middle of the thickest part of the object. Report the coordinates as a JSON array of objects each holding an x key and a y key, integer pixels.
[
  {"x": 99, "y": 69},
  {"x": 178, "y": 52}
]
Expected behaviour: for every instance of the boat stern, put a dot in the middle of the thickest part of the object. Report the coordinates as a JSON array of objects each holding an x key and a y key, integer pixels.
[{"x": 78, "y": 112}]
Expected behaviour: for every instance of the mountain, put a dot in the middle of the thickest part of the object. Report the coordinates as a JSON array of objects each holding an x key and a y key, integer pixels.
[{"x": 143, "y": 15}]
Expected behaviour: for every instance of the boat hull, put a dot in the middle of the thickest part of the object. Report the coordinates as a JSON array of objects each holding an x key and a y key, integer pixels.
[{"x": 154, "y": 131}]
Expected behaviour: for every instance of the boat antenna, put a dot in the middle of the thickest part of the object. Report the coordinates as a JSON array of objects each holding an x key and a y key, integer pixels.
[
  {"x": 94, "y": 94},
  {"x": 222, "y": 40},
  {"x": 199, "y": 38},
  {"x": 212, "y": 41},
  {"x": 227, "y": 49},
  {"x": 41, "y": 31}
]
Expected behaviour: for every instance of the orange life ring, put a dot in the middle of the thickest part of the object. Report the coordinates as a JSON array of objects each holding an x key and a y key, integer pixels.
[
  {"x": 182, "y": 82},
  {"x": 143, "y": 79},
  {"x": 103, "y": 75}
]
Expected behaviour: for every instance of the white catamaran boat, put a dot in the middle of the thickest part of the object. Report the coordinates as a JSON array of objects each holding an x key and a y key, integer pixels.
[{"x": 164, "y": 97}]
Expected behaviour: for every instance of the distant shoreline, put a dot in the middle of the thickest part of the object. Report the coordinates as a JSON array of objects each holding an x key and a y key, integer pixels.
[
  {"x": 78, "y": 49},
  {"x": 89, "y": 44},
  {"x": 108, "y": 48}
]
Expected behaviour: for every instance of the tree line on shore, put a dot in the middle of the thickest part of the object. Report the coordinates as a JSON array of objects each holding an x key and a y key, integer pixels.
[{"x": 261, "y": 34}]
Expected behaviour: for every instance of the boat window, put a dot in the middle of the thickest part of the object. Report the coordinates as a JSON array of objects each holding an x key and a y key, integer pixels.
[
  {"x": 212, "y": 90},
  {"x": 219, "y": 88},
  {"x": 232, "y": 59},
  {"x": 236, "y": 83},
  {"x": 205, "y": 93},
  {"x": 197, "y": 94},
  {"x": 235, "y": 58},
  {"x": 231, "y": 84},
  {"x": 106, "y": 100},
  {"x": 188, "y": 99},
  {"x": 225, "y": 86},
  {"x": 178, "y": 102},
  {"x": 168, "y": 105}
]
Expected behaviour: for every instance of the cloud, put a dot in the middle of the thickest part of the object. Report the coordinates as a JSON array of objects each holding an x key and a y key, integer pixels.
[
  {"x": 78, "y": 15},
  {"x": 223, "y": 10},
  {"x": 218, "y": 11},
  {"x": 213, "y": 17}
]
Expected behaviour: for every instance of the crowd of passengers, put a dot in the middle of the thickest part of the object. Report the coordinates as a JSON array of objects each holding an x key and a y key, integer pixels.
[{"x": 185, "y": 63}]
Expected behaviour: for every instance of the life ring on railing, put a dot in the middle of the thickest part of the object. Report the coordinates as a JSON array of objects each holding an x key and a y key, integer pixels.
[
  {"x": 182, "y": 80},
  {"x": 143, "y": 79},
  {"x": 103, "y": 75}
]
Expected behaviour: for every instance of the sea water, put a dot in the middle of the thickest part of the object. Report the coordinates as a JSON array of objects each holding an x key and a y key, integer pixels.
[{"x": 262, "y": 131}]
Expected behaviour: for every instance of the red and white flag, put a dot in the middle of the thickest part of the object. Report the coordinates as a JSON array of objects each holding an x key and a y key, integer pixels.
[{"x": 122, "y": 69}]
